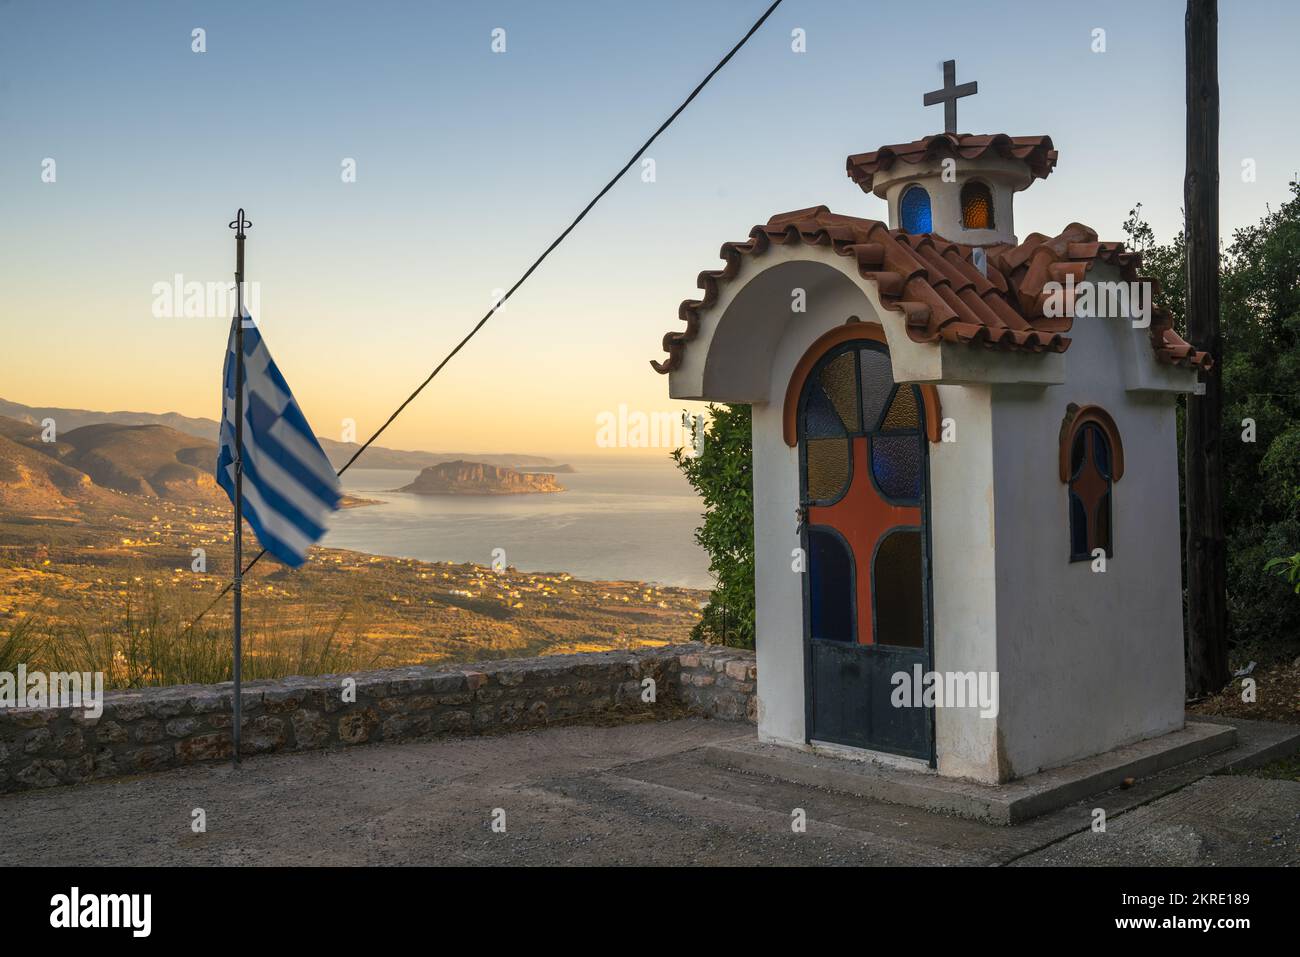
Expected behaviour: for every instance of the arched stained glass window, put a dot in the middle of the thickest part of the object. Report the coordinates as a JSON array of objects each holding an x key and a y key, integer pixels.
[
  {"x": 864, "y": 468},
  {"x": 914, "y": 210},
  {"x": 862, "y": 523},
  {"x": 1090, "y": 491},
  {"x": 1092, "y": 461},
  {"x": 976, "y": 206},
  {"x": 854, "y": 394}
]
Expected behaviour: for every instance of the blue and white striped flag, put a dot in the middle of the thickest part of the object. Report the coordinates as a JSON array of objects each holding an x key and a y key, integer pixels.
[{"x": 289, "y": 486}]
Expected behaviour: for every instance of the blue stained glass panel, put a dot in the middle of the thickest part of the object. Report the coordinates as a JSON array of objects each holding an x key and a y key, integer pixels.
[
  {"x": 830, "y": 587},
  {"x": 1078, "y": 527},
  {"x": 896, "y": 464},
  {"x": 914, "y": 211}
]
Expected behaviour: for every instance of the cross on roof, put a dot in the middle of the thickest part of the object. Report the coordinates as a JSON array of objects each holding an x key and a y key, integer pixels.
[{"x": 949, "y": 94}]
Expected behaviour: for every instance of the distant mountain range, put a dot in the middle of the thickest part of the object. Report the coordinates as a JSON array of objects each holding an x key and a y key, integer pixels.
[
  {"x": 375, "y": 457},
  {"x": 68, "y": 419}
]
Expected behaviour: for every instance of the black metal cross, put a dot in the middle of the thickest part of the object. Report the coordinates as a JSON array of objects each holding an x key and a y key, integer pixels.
[{"x": 949, "y": 94}]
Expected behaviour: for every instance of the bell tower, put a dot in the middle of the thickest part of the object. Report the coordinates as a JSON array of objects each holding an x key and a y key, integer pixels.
[{"x": 958, "y": 186}]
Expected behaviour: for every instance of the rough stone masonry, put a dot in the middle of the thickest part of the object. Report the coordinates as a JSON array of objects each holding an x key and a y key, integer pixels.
[{"x": 154, "y": 728}]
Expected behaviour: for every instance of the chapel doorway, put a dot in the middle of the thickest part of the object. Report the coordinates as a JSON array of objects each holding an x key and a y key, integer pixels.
[{"x": 864, "y": 487}]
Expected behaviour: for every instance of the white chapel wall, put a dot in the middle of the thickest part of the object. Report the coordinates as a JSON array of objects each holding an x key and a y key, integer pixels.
[
  {"x": 1089, "y": 660},
  {"x": 962, "y": 539}
]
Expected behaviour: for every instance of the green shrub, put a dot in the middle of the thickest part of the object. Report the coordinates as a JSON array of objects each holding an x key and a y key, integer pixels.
[
  {"x": 1260, "y": 324},
  {"x": 1287, "y": 568},
  {"x": 723, "y": 473}
]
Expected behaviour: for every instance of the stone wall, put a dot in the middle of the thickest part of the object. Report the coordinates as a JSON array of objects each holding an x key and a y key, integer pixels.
[
  {"x": 718, "y": 682},
  {"x": 155, "y": 728}
]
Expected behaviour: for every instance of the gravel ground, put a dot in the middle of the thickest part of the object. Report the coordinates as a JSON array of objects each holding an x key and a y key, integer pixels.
[
  {"x": 1219, "y": 821},
  {"x": 625, "y": 794}
]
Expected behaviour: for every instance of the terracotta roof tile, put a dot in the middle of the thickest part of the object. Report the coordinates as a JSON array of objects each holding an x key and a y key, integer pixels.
[
  {"x": 1036, "y": 151},
  {"x": 938, "y": 289}
]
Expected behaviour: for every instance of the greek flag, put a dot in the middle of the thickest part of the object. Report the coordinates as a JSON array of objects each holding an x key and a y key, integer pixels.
[{"x": 289, "y": 486}]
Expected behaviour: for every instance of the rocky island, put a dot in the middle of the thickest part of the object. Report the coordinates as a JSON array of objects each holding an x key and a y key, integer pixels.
[{"x": 476, "y": 478}]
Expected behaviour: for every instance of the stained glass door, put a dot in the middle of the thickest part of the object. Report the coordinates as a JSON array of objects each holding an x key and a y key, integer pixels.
[{"x": 864, "y": 483}]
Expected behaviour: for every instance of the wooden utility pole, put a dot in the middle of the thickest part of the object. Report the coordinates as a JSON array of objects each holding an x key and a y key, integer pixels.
[{"x": 1207, "y": 606}]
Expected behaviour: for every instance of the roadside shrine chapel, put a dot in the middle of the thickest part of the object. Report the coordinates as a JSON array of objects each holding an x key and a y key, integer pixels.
[{"x": 978, "y": 465}]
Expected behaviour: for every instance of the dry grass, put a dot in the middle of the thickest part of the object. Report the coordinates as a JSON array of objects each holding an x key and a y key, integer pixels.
[
  {"x": 1276, "y": 698},
  {"x": 148, "y": 642},
  {"x": 18, "y": 645}
]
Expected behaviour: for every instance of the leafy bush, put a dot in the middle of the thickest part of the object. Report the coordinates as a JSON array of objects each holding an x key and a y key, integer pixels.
[
  {"x": 723, "y": 473},
  {"x": 1260, "y": 323},
  {"x": 1287, "y": 568}
]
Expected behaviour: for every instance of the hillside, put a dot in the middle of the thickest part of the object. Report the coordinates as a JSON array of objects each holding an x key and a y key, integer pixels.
[
  {"x": 35, "y": 483},
  {"x": 477, "y": 478},
  {"x": 19, "y": 431},
  {"x": 144, "y": 460},
  {"x": 91, "y": 464}
]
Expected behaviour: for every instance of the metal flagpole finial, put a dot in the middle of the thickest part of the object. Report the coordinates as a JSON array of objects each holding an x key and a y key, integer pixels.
[{"x": 239, "y": 224}]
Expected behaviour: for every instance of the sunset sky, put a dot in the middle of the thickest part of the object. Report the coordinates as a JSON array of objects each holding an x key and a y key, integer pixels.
[{"x": 469, "y": 162}]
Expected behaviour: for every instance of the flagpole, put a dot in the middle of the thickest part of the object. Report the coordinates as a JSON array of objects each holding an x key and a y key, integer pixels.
[{"x": 238, "y": 584}]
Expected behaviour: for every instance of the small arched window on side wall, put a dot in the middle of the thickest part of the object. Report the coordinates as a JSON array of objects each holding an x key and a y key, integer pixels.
[
  {"x": 1091, "y": 462},
  {"x": 914, "y": 210},
  {"x": 976, "y": 206}
]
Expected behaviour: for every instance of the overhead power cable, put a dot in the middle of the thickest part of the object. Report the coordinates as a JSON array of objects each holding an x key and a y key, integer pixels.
[{"x": 496, "y": 306}]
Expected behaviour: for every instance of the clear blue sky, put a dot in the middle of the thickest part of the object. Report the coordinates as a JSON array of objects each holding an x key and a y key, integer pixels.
[{"x": 469, "y": 161}]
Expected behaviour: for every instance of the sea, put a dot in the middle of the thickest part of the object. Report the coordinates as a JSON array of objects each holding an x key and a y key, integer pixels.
[{"x": 618, "y": 519}]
